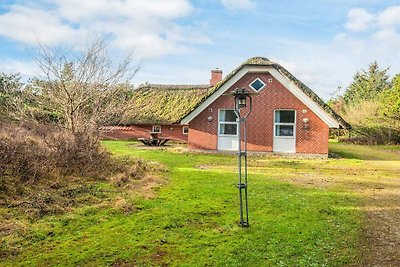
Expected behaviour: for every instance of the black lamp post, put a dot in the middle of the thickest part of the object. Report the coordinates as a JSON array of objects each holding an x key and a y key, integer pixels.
[{"x": 241, "y": 96}]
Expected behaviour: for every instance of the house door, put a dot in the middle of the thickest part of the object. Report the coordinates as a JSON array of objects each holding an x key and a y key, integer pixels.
[
  {"x": 284, "y": 131},
  {"x": 227, "y": 130}
]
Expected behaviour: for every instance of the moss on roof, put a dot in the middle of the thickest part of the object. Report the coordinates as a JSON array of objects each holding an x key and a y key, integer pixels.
[
  {"x": 164, "y": 104},
  {"x": 262, "y": 61}
]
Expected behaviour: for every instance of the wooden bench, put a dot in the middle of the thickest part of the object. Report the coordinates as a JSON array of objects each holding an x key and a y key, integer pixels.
[{"x": 154, "y": 141}]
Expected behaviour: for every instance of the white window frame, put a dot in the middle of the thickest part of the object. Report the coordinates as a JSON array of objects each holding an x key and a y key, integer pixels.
[
  {"x": 229, "y": 122},
  {"x": 183, "y": 130},
  {"x": 285, "y": 123},
  {"x": 154, "y": 127},
  {"x": 250, "y": 85}
]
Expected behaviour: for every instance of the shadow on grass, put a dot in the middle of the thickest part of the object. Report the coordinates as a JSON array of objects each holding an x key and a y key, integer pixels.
[{"x": 364, "y": 152}]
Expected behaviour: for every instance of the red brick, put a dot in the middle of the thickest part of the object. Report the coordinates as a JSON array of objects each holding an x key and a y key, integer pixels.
[
  {"x": 216, "y": 76},
  {"x": 173, "y": 132},
  {"x": 260, "y": 124}
]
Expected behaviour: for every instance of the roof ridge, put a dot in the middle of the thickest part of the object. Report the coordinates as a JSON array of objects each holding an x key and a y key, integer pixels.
[
  {"x": 316, "y": 98},
  {"x": 263, "y": 61},
  {"x": 258, "y": 61},
  {"x": 174, "y": 86}
]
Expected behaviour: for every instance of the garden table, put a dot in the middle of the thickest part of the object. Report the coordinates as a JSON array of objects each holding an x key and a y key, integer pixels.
[{"x": 154, "y": 141}]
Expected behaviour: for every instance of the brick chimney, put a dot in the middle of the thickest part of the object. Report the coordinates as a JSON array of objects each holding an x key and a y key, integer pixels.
[{"x": 216, "y": 76}]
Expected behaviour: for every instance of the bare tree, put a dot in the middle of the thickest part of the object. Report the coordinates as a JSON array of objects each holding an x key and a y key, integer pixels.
[{"x": 87, "y": 87}]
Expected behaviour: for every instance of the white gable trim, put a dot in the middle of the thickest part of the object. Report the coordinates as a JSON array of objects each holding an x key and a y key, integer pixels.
[
  {"x": 297, "y": 92},
  {"x": 288, "y": 84},
  {"x": 214, "y": 96}
]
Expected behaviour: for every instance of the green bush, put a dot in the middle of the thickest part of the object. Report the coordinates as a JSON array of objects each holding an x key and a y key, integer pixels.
[{"x": 370, "y": 125}]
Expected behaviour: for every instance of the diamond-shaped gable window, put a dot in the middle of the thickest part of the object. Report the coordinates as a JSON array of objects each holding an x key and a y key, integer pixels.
[{"x": 257, "y": 84}]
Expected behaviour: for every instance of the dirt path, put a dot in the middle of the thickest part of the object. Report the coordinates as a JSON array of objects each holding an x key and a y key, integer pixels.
[
  {"x": 377, "y": 182},
  {"x": 380, "y": 238}
]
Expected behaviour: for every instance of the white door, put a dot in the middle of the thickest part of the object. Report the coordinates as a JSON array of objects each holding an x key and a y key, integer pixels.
[
  {"x": 285, "y": 131},
  {"x": 227, "y": 130}
]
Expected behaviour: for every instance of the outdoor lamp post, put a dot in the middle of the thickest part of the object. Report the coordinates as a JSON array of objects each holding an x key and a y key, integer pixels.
[
  {"x": 241, "y": 96},
  {"x": 241, "y": 101}
]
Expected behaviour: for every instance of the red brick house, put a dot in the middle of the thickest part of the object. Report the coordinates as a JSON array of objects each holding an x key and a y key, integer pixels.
[{"x": 287, "y": 116}]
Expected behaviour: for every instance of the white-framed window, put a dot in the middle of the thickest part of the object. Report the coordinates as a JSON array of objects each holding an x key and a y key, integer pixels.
[
  {"x": 227, "y": 122},
  {"x": 285, "y": 121},
  {"x": 185, "y": 129},
  {"x": 257, "y": 84},
  {"x": 156, "y": 129}
]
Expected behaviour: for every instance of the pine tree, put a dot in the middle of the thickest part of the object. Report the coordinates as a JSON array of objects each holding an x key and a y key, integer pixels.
[
  {"x": 10, "y": 90},
  {"x": 367, "y": 84},
  {"x": 391, "y": 100}
]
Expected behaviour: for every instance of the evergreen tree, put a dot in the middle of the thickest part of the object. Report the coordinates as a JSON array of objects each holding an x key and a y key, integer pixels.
[
  {"x": 9, "y": 83},
  {"x": 391, "y": 100},
  {"x": 371, "y": 105},
  {"x": 10, "y": 90},
  {"x": 367, "y": 84}
]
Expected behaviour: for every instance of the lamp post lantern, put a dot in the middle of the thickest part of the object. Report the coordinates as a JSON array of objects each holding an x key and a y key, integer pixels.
[{"x": 241, "y": 97}]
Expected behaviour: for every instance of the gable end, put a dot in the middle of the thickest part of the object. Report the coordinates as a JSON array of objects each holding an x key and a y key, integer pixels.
[{"x": 281, "y": 75}]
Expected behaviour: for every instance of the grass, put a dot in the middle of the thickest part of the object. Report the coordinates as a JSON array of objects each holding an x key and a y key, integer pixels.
[
  {"x": 302, "y": 213},
  {"x": 366, "y": 152}
]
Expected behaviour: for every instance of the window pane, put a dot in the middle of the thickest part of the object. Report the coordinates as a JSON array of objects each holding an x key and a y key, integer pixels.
[
  {"x": 185, "y": 129},
  {"x": 227, "y": 115},
  {"x": 285, "y": 116},
  {"x": 228, "y": 129},
  {"x": 156, "y": 129},
  {"x": 284, "y": 130},
  {"x": 257, "y": 84}
]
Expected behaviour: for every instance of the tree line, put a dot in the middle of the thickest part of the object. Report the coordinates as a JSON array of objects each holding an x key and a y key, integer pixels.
[{"x": 371, "y": 104}]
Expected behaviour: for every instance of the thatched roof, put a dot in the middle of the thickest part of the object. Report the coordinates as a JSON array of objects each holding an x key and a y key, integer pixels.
[
  {"x": 262, "y": 61},
  {"x": 164, "y": 104},
  {"x": 167, "y": 104}
]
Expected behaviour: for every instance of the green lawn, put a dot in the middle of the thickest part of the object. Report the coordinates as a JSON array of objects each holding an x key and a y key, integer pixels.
[
  {"x": 377, "y": 152},
  {"x": 302, "y": 213}
]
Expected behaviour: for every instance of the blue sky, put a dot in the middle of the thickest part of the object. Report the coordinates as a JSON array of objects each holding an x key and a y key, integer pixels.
[{"x": 322, "y": 42}]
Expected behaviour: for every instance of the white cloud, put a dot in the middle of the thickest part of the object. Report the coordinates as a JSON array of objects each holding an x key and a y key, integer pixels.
[
  {"x": 359, "y": 20},
  {"x": 148, "y": 27},
  {"x": 383, "y": 32},
  {"x": 29, "y": 24},
  {"x": 78, "y": 10},
  {"x": 27, "y": 69},
  {"x": 238, "y": 4},
  {"x": 390, "y": 17},
  {"x": 366, "y": 37}
]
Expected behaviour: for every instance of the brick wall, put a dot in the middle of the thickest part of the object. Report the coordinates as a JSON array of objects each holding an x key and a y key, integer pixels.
[
  {"x": 216, "y": 77},
  {"x": 313, "y": 140},
  {"x": 174, "y": 132}
]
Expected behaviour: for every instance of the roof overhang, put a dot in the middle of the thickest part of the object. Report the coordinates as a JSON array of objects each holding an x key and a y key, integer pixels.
[{"x": 286, "y": 82}]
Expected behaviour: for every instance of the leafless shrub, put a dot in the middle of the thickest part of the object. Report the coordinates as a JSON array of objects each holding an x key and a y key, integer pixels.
[
  {"x": 29, "y": 153},
  {"x": 47, "y": 170},
  {"x": 23, "y": 154}
]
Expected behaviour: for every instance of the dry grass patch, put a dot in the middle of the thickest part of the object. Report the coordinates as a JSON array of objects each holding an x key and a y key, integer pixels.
[{"x": 141, "y": 179}]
